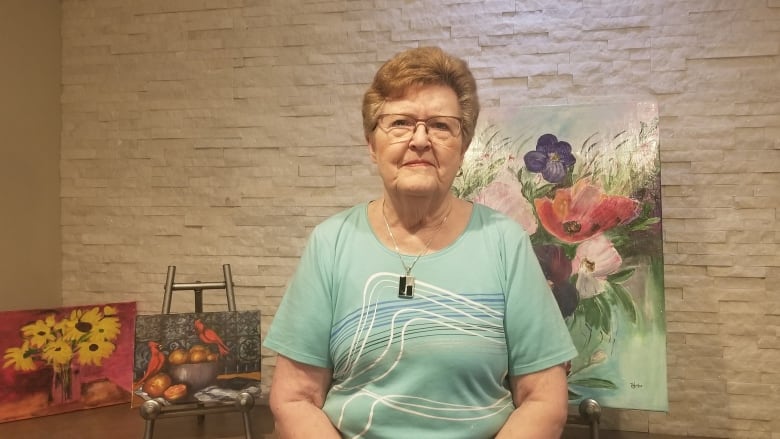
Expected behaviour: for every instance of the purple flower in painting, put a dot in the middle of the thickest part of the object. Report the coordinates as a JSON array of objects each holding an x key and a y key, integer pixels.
[
  {"x": 557, "y": 270},
  {"x": 552, "y": 158}
]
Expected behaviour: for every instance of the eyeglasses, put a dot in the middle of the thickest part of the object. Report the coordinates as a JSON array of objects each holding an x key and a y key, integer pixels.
[{"x": 401, "y": 127}]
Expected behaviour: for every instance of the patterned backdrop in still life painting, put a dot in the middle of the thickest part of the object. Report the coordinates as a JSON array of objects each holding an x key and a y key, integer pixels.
[
  {"x": 196, "y": 357},
  {"x": 584, "y": 181},
  {"x": 65, "y": 359}
]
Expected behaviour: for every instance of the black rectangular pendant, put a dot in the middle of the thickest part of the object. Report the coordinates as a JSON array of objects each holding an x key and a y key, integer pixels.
[{"x": 406, "y": 287}]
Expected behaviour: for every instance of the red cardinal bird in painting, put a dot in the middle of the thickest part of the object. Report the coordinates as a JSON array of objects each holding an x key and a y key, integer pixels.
[
  {"x": 156, "y": 362},
  {"x": 208, "y": 336}
]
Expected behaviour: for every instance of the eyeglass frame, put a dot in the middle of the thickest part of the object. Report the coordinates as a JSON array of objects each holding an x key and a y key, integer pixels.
[{"x": 412, "y": 129}]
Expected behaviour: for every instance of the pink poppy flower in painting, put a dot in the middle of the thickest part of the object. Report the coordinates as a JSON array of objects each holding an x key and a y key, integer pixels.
[
  {"x": 505, "y": 195},
  {"x": 582, "y": 211},
  {"x": 595, "y": 259}
]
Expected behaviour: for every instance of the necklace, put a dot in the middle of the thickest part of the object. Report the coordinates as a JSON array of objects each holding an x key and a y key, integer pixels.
[{"x": 406, "y": 281}]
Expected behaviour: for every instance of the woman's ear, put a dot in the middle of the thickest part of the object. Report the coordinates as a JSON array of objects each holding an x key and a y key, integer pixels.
[
  {"x": 463, "y": 151},
  {"x": 371, "y": 148}
]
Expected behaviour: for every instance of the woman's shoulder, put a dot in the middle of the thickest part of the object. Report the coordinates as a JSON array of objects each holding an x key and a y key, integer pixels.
[
  {"x": 351, "y": 213},
  {"x": 351, "y": 218},
  {"x": 486, "y": 217}
]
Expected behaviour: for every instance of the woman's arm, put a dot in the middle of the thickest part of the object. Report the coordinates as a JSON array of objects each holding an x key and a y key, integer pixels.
[
  {"x": 297, "y": 396},
  {"x": 542, "y": 405}
]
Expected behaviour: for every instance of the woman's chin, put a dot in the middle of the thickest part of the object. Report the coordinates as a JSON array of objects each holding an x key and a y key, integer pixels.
[
  {"x": 419, "y": 182},
  {"x": 420, "y": 189}
]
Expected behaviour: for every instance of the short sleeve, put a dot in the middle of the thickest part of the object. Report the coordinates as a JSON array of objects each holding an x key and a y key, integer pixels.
[
  {"x": 537, "y": 335},
  {"x": 301, "y": 327}
]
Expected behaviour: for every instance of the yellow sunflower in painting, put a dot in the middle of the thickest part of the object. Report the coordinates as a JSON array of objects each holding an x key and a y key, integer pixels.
[
  {"x": 81, "y": 324},
  {"x": 94, "y": 351},
  {"x": 106, "y": 329},
  {"x": 91, "y": 324},
  {"x": 67, "y": 326},
  {"x": 20, "y": 358},
  {"x": 57, "y": 352},
  {"x": 81, "y": 336},
  {"x": 40, "y": 332}
]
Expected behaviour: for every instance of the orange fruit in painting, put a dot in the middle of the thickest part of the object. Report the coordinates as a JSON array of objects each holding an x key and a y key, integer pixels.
[
  {"x": 175, "y": 392},
  {"x": 156, "y": 385},
  {"x": 198, "y": 356},
  {"x": 178, "y": 356},
  {"x": 198, "y": 347},
  {"x": 212, "y": 357}
]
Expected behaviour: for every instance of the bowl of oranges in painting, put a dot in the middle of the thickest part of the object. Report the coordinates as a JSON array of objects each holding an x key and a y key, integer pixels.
[{"x": 196, "y": 368}]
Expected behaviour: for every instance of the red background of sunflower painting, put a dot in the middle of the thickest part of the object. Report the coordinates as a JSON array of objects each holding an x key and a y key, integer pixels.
[{"x": 26, "y": 394}]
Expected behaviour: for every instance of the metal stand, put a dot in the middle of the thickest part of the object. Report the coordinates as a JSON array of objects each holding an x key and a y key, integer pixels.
[
  {"x": 589, "y": 414},
  {"x": 152, "y": 410},
  {"x": 197, "y": 287}
]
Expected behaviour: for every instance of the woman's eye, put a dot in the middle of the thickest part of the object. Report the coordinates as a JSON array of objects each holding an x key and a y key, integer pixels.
[{"x": 402, "y": 123}]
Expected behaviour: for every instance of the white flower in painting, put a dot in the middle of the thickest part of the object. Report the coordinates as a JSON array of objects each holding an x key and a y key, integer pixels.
[
  {"x": 505, "y": 194},
  {"x": 598, "y": 357},
  {"x": 595, "y": 259}
]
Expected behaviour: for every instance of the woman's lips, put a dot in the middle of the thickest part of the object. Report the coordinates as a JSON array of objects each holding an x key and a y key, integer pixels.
[{"x": 418, "y": 163}]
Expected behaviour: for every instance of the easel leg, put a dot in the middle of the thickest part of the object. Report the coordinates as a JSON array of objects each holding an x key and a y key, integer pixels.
[
  {"x": 246, "y": 402},
  {"x": 149, "y": 411},
  {"x": 590, "y": 410},
  {"x": 247, "y": 425},
  {"x": 149, "y": 429}
]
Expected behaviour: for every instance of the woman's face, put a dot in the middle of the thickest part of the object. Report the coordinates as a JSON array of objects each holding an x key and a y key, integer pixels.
[{"x": 423, "y": 165}]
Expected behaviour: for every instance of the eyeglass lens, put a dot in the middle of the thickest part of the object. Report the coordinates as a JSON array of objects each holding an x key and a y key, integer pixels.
[{"x": 404, "y": 126}]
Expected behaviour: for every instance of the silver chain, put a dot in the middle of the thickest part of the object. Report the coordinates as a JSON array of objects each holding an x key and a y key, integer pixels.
[{"x": 427, "y": 244}]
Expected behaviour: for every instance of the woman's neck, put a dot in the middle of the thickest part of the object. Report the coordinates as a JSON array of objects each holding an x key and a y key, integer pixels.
[
  {"x": 414, "y": 214},
  {"x": 432, "y": 229}
]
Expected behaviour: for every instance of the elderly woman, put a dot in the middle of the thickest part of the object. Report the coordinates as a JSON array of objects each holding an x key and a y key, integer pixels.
[{"x": 419, "y": 314}]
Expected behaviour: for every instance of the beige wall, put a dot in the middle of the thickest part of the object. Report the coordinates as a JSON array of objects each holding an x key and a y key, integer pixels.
[
  {"x": 201, "y": 133},
  {"x": 30, "y": 255}
]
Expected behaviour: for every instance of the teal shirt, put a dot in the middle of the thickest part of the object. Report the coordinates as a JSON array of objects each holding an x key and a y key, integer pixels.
[{"x": 435, "y": 366}]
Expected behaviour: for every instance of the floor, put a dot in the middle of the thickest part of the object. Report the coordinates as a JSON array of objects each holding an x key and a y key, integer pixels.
[{"x": 122, "y": 422}]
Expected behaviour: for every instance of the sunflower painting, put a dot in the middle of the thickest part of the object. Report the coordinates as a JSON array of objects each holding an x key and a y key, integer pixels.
[
  {"x": 584, "y": 182},
  {"x": 65, "y": 359}
]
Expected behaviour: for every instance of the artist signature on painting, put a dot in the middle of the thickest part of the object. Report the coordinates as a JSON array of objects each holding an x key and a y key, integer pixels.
[{"x": 635, "y": 386}]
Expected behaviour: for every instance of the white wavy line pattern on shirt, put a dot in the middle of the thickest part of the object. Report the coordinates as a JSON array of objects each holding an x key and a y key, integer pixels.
[{"x": 436, "y": 307}]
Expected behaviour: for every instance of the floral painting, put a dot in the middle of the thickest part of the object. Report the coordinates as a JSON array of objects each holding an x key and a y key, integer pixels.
[
  {"x": 584, "y": 182},
  {"x": 65, "y": 359},
  {"x": 196, "y": 357}
]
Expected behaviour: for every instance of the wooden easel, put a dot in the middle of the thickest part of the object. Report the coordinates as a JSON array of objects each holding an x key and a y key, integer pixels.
[{"x": 152, "y": 410}]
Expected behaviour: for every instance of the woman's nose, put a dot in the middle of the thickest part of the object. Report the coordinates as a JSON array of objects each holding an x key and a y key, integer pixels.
[{"x": 420, "y": 138}]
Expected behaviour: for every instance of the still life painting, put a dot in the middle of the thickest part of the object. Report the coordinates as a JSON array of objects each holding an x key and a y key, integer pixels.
[
  {"x": 584, "y": 182},
  {"x": 196, "y": 357},
  {"x": 65, "y": 359}
]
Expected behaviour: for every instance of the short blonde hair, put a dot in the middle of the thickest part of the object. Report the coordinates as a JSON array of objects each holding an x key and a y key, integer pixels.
[{"x": 423, "y": 66}]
